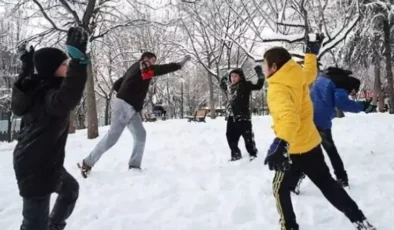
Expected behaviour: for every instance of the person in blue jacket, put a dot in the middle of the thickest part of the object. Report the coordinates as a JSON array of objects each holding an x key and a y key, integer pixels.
[{"x": 331, "y": 90}]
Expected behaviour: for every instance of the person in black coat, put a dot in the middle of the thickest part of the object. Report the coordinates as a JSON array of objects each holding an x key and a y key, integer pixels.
[
  {"x": 239, "y": 122},
  {"x": 44, "y": 101}
]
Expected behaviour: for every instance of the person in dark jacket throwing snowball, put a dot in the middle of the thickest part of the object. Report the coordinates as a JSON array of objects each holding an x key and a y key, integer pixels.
[
  {"x": 44, "y": 101},
  {"x": 331, "y": 90},
  {"x": 131, "y": 92},
  {"x": 239, "y": 121}
]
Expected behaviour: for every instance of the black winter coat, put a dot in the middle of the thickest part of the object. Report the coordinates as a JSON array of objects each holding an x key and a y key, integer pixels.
[
  {"x": 132, "y": 87},
  {"x": 45, "y": 106},
  {"x": 239, "y": 95}
]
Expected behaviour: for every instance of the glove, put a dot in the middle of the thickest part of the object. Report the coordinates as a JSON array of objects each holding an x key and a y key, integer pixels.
[
  {"x": 369, "y": 108},
  {"x": 184, "y": 60},
  {"x": 26, "y": 57},
  {"x": 259, "y": 71},
  {"x": 278, "y": 158},
  {"x": 314, "y": 42},
  {"x": 223, "y": 82},
  {"x": 77, "y": 40}
]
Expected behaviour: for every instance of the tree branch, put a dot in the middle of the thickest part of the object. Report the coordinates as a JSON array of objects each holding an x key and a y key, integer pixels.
[
  {"x": 68, "y": 8},
  {"x": 129, "y": 23},
  {"x": 88, "y": 14},
  {"x": 47, "y": 17}
]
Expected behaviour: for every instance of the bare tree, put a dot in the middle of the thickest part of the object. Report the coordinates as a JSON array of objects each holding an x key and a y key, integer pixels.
[
  {"x": 208, "y": 26},
  {"x": 11, "y": 30},
  {"x": 98, "y": 17}
]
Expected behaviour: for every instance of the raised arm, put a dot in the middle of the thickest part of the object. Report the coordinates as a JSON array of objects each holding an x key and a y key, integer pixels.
[
  {"x": 23, "y": 88},
  {"x": 159, "y": 70},
  {"x": 310, "y": 68},
  {"x": 169, "y": 68},
  {"x": 62, "y": 101},
  {"x": 224, "y": 83},
  {"x": 260, "y": 82},
  {"x": 313, "y": 45}
]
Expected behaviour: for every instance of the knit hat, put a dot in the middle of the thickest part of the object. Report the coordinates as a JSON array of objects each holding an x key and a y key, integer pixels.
[{"x": 48, "y": 60}]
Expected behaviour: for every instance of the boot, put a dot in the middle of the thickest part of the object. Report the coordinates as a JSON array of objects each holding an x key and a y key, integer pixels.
[
  {"x": 363, "y": 225},
  {"x": 236, "y": 157},
  {"x": 343, "y": 182}
]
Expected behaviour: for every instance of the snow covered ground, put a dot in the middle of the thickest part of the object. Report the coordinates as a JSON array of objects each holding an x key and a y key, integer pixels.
[{"x": 188, "y": 183}]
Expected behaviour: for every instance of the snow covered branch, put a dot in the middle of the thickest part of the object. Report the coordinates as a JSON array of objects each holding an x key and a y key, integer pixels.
[{"x": 43, "y": 12}]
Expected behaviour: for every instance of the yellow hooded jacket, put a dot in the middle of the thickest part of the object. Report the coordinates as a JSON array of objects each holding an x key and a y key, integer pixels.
[{"x": 291, "y": 107}]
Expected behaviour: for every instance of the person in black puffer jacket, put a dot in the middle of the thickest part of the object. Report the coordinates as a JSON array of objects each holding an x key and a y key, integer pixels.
[
  {"x": 44, "y": 101},
  {"x": 239, "y": 122}
]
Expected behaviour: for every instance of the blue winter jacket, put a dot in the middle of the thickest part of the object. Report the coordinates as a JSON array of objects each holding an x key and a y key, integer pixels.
[{"x": 325, "y": 97}]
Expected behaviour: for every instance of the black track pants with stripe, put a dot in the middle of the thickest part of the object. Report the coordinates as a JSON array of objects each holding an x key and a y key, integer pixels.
[{"x": 313, "y": 165}]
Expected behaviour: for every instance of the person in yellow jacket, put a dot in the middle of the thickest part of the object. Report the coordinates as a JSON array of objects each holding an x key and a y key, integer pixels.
[{"x": 297, "y": 143}]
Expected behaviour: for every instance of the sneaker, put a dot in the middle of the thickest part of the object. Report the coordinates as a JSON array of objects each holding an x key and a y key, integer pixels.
[
  {"x": 85, "y": 169},
  {"x": 252, "y": 157},
  {"x": 134, "y": 167},
  {"x": 364, "y": 225},
  {"x": 235, "y": 158}
]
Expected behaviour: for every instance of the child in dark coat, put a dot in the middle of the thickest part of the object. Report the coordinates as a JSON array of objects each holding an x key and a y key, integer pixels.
[
  {"x": 44, "y": 101},
  {"x": 239, "y": 122}
]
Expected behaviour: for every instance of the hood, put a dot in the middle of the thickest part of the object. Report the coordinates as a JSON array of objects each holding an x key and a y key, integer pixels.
[
  {"x": 25, "y": 89},
  {"x": 238, "y": 71},
  {"x": 290, "y": 74}
]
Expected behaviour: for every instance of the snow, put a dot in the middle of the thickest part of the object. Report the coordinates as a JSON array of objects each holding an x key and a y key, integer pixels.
[{"x": 188, "y": 183}]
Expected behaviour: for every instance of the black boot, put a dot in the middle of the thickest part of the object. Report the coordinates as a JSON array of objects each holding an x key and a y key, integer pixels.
[
  {"x": 343, "y": 182},
  {"x": 363, "y": 225},
  {"x": 134, "y": 167},
  {"x": 235, "y": 157}
]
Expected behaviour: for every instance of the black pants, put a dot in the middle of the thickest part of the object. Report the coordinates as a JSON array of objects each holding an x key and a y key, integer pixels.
[
  {"x": 332, "y": 152},
  {"x": 236, "y": 129},
  {"x": 313, "y": 165},
  {"x": 36, "y": 210}
]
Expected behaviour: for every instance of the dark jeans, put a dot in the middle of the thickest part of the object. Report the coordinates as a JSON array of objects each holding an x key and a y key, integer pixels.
[
  {"x": 332, "y": 152},
  {"x": 236, "y": 129},
  {"x": 36, "y": 210},
  {"x": 313, "y": 165}
]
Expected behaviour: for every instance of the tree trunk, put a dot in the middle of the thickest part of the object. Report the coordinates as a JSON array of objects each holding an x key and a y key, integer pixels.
[
  {"x": 182, "y": 98},
  {"x": 389, "y": 71},
  {"x": 378, "y": 96},
  {"x": 107, "y": 111},
  {"x": 211, "y": 97},
  {"x": 9, "y": 128},
  {"x": 73, "y": 115},
  {"x": 91, "y": 106}
]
